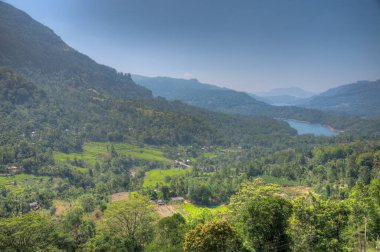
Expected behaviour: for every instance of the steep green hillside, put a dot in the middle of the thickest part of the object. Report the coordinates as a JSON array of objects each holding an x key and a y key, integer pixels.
[
  {"x": 37, "y": 53},
  {"x": 361, "y": 99},
  {"x": 83, "y": 100}
]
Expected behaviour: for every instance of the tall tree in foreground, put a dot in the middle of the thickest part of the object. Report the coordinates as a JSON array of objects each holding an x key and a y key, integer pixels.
[
  {"x": 319, "y": 225},
  {"x": 127, "y": 226},
  {"x": 28, "y": 232},
  {"x": 266, "y": 223},
  {"x": 169, "y": 234},
  {"x": 260, "y": 216},
  {"x": 216, "y": 236},
  {"x": 364, "y": 203}
]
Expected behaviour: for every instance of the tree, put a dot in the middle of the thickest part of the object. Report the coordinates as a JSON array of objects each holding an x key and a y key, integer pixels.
[
  {"x": 216, "y": 236},
  {"x": 88, "y": 202},
  {"x": 318, "y": 225},
  {"x": 169, "y": 233},
  {"x": 260, "y": 216},
  {"x": 265, "y": 223},
  {"x": 28, "y": 232},
  {"x": 364, "y": 203},
  {"x": 130, "y": 221},
  {"x": 250, "y": 191},
  {"x": 164, "y": 193},
  {"x": 199, "y": 193}
]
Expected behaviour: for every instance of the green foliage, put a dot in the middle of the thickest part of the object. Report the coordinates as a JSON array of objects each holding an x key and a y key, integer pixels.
[
  {"x": 19, "y": 182},
  {"x": 128, "y": 221},
  {"x": 229, "y": 101},
  {"x": 359, "y": 98},
  {"x": 213, "y": 236},
  {"x": 18, "y": 191},
  {"x": 29, "y": 232},
  {"x": 169, "y": 234},
  {"x": 77, "y": 131},
  {"x": 260, "y": 216},
  {"x": 157, "y": 176},
  {"x": 99, "y": 151},
  {"x": 88, "y": 202},
  {"x": 265, "y": 224},
  {"x": 319, "y": 225},
  {"x": 200, "y": 215},
  {"x": 200, "y": 193},
  {"x": 249, "y": 192},
  {"x": 365, "y": 208}
]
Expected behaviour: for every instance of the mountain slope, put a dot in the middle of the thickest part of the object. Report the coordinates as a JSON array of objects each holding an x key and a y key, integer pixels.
[
  {"x": 361, "y": 99},
  {"x": 34, "y": 51},
  {"x": 93, "y": 102}
]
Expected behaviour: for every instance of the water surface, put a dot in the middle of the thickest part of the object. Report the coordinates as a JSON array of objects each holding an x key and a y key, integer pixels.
[{"x": 311, "y": 128}]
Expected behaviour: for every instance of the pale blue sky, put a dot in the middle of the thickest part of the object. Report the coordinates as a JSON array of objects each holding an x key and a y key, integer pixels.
[{"x": 249, "y": 45}]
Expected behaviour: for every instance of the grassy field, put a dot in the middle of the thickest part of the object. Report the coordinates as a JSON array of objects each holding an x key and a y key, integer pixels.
[
  {"x": 145, "y": 153},
  {"x": 210, "y": 155},
  {"x": 19, "y": 182},
  {"x": 193, "y": 212},
  {"x": 192, "y": 209},
  {"x": 97, "y": 151},
  {"x": 157, "y": 176}
]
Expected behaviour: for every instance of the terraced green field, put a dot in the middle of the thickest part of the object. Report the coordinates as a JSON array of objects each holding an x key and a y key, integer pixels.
[
  {"x": 17, "y": 183},
  {"x": 97, "y": 151},
  {"x": 157, "y": 176},
  {"x": 194, "y": 210}
]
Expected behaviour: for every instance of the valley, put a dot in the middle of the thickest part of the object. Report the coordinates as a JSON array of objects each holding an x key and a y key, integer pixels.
[{"x": 95, "y": 159}]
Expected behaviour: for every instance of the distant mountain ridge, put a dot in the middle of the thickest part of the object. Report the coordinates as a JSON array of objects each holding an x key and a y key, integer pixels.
[
  {"x": 202, "y": 95},
  {"x": 291, "y": 91},
  {"x": 171, "y": 88},
  {"x": 361, "y": 98},
  {"x": 225, "y": 100},
  {"x": 292, "y": 96},
  {"x": 281, "y": 100}
]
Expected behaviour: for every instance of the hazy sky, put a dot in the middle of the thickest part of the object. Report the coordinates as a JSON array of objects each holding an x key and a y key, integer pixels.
[{"x": 250, "y": 45}]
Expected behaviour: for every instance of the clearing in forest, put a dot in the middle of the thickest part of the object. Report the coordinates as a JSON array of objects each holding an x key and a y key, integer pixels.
[
  {"x": 158, "y": 176},
  {"x": 17, "y": 183},
  {"x": 60, "y": 207},
  {"x": 120, "y": 196},
  {"x": 99, "y": 151}
]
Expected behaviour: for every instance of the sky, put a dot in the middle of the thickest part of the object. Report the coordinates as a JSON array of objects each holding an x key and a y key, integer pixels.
[{"x": 247, "y": 45}]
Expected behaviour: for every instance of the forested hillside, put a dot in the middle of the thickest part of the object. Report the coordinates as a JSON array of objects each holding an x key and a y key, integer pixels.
[
  {"x": 36, "y": 52},
  {"x": 90, "y": 94},
  {"x": 361, "y": 99}
]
